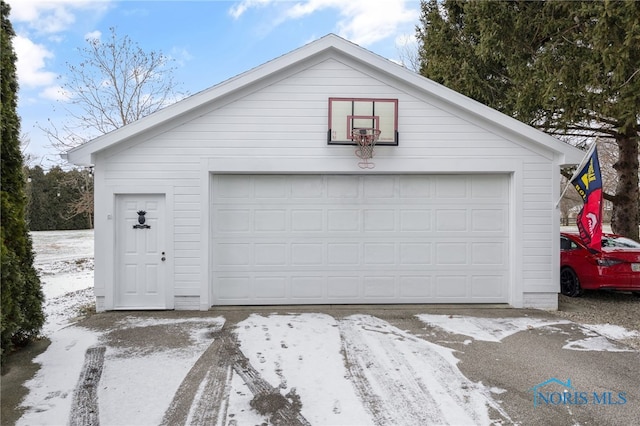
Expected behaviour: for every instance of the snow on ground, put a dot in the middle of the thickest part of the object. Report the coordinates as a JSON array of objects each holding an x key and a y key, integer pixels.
[
  {"x": 410, "y": 380},
  {"x": 64, "y": 260},
  {"x": 486, "y": 329},
  {"x": 138, "y": 383},
  {"x": 51, "y": 390},
  {"x": 390, "y": 377},
  {"x": 302, "y": 352},
  {"x": 356, "y": 370},
  {"x": 600, "y": 337}
]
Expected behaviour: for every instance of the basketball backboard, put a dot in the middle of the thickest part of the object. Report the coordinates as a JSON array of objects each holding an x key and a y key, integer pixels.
[{"x": 347, "y": 114}]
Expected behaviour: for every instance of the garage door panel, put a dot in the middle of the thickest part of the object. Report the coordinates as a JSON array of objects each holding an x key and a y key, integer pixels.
[
  {"x": 452, "y": 286},
  {"x": 303, "y": 254},
  {"x": 451, "y": 220},
  {"x": 415, "y": 254},
  {"x": 342, "y": 287},
  {"x": 489, "y": 220},
  {"x": 489, "y": 187},
  {"x": 416, "y": 187},
  {"x": 307, "y": 187},
  {"x": 359, "y": 239},
  {"x": 451, "y": 253},
  {"x": 343, "y": 254},
  {"x": 307, "y": 220},
  {"x": 415, "y": 220},
  {"x": 378, "y": 187},
  {"x": 488, "y": 286},
  {"x": 447, "y": 187},
  {"x": 270, "y": 287},
  {"x": 489, "y": 253},
  {"x": 415, "y": 287},
  {"x": 234, "y": 288},
  {"x": 379, "y": 286},
  {"x": 308, "y": 287},
  {"x": 343, "y": 220}
]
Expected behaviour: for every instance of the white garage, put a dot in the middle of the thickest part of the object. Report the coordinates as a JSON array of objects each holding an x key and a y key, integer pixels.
[
  {"x": 324, "y": 239},
  {"x": 329, "y": 175}
]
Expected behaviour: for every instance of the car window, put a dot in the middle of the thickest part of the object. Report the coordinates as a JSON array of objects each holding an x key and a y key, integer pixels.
[
  {"x": 567, "y": 244},
  {"x": 621, "y": 242}
]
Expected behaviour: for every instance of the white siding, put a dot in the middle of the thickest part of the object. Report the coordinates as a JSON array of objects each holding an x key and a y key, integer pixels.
[{"x": 287, "y": 120}]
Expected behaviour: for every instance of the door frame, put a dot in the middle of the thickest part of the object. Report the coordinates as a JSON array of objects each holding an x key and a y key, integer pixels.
[{"x": 108, "y": 234}]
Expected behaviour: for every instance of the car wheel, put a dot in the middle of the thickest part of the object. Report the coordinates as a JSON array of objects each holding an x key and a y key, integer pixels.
[
  {"x": 636, "y": 293},
  {"x": 569, "y": 283}
]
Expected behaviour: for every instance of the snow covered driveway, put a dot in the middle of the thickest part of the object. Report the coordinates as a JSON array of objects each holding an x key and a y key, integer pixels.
[
  {"x": 338, "y": 367},
  {"x": 412, "y": 365}
]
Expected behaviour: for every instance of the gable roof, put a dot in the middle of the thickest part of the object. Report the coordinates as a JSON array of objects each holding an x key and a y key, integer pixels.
[{"x": 333, "y": 45}]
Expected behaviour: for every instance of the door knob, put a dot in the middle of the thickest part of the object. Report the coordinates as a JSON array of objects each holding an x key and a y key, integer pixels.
[{"x": 163, "y": 258}]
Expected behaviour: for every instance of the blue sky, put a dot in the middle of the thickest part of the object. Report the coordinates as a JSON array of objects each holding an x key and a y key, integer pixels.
[{"x": 209, "y": 40}]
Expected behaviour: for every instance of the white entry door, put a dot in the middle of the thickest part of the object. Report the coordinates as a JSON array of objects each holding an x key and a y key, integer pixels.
[{"x": 140, "y": 252}]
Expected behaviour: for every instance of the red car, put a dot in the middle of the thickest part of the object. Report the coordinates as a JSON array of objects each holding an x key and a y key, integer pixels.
[{"x": 616, "y": 267}]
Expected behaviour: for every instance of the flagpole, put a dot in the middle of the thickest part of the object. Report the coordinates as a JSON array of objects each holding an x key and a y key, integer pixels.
[{"x": 578, "y": 169}]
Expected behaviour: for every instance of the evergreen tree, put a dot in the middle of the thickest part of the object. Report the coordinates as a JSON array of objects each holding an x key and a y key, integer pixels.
[
  {"x": 571, "y": 69},
  {"x": 22, "y": 316},
  {"x": 53, "y": 199}
]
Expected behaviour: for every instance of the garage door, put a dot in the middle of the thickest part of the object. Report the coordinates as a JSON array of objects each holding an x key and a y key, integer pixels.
[{"x": 321, "y": 239}]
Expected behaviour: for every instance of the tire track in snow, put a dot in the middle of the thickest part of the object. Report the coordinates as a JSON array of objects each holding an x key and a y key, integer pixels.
[
  {"x": 406, "y": 380},
  {"x": 202, "y": 397},
  {"x": 84, "y": 408}
]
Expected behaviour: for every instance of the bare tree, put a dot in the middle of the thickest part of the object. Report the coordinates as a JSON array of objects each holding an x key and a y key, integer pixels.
[
  {"x": 115, "y": 83},
  {"x": 83, "y": 205},
  {"x": 28, "y": 159}
]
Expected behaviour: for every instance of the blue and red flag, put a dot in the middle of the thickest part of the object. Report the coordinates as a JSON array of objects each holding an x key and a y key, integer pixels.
[{"x": 588, "y": 183}]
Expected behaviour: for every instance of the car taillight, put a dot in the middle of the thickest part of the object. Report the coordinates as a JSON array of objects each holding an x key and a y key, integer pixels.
[{"x": 608, "y": 261}]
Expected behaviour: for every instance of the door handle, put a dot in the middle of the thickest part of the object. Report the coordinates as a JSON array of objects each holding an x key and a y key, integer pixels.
[{"x": 163, "y": 258}]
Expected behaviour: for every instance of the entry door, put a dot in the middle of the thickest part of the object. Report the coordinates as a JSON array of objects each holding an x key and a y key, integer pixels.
[{"x": 140, "y": 252}]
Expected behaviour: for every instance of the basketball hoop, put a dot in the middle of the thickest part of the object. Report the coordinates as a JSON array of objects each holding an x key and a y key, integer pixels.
[{"x": 366, "y": 139}]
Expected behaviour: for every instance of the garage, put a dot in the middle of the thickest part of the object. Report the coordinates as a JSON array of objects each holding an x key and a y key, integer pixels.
[
  {"x": 324, "y": 239},
  {"x": 328, "y": 175}
]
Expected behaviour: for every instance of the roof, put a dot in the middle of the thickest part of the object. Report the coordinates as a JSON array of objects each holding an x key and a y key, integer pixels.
[{"x": 333, "y": 45}]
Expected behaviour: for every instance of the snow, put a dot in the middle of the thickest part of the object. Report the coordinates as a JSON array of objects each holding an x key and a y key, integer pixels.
[
  {"x": 51, "y": 390},
  {"x": 138, "y": 384},
  {"x": 602, "y": 337},
  {"x": 599, "y": 337},
  {"x": 353, "y": 370},
  {"x": 302, "y": 352},
  {"x": 486, "y": 329},
  {"x": 64, "y": 260}
]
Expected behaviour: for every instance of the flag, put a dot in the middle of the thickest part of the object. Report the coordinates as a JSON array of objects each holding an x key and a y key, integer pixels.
[{"x": 588, "y": 182}]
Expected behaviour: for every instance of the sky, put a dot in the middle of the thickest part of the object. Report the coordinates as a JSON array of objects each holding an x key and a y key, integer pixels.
[{"x": 209, "y": 41}]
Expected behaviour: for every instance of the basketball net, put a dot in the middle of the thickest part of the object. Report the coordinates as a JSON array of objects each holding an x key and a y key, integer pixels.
[{"x": 366, "y": 139}]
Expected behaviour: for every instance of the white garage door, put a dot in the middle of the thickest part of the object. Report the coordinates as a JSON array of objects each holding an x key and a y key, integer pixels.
[{"x": 321, "y": 239}]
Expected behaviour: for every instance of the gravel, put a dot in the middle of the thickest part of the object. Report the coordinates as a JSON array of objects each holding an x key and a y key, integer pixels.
[{"x": 603, "y": 307}]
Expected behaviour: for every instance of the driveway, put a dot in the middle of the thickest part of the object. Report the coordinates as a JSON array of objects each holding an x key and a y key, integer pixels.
[{"x": 333, "y": 365}]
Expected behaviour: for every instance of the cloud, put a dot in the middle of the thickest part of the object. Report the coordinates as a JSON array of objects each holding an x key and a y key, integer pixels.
[
  {"x": 93, "y": 35},
  {"x": 55, "y": 93},
  {"x": 363, "y": 22},
  {"x": 181, "y": 55},
  {"x": 31, "y": 63},
  {"x": 52, "y": 17},
  {"x": 239, "y": 9}
]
